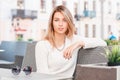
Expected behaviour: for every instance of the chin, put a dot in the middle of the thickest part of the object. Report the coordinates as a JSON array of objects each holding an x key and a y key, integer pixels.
[{"x": 61, "y": 32}]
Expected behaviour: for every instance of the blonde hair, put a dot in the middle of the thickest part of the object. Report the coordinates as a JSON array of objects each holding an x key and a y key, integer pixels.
[{"x": 70, "y": 30}]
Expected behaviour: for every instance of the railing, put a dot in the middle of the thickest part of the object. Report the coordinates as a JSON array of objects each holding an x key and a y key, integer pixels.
[
  {"x": 90, "y": 14},
  {"x": 24, "y": 13}
]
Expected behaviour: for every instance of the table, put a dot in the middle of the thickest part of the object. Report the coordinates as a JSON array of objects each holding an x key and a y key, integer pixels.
[
  {"x": 5, "y": 74},
  {"x": 98, "y": 72}
]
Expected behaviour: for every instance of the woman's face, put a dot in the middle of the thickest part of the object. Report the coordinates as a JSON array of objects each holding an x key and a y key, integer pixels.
[{"x": 59, "y": 23}]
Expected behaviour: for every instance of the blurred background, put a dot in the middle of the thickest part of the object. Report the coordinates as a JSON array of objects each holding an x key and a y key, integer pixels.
[{"x": 27, "y": 20}]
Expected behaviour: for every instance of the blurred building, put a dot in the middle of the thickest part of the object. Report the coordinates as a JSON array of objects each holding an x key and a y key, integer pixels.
[
  {"x": 98, "y": 17},
  {"x": 28, "y": 19}
]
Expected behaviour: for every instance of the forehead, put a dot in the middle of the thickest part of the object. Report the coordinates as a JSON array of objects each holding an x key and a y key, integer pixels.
[{"x": 58, "y": 15}]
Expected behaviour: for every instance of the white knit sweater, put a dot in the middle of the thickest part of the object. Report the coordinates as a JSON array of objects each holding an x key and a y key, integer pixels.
[{"x": 51, "y": 61}]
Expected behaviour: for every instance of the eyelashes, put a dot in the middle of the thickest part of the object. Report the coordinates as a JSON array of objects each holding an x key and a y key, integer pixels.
[{"x": 64, "y": 20}]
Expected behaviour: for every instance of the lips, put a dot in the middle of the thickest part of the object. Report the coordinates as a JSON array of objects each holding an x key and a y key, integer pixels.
[{"x": 60, "y": 29}]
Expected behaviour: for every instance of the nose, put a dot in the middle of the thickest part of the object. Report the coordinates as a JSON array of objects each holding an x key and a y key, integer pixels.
[{"x": 60, "y": 23}]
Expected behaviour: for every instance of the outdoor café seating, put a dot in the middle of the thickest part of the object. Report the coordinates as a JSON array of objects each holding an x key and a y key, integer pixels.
[{"x": 23, "y": 54}]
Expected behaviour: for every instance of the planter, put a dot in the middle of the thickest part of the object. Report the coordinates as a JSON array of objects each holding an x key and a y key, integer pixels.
[
  {"x": 113, "y": 64},
  {"x": 97, "y": 72}
]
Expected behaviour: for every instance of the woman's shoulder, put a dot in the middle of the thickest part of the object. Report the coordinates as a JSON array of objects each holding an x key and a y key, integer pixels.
[{"x": 42, "y": 42}]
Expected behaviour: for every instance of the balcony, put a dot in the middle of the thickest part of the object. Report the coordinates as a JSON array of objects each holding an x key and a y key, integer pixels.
[
  {"x": 23, "y": 13},
  {"x": 90, "y": 14},
  {"x": 86, "y": 13}
]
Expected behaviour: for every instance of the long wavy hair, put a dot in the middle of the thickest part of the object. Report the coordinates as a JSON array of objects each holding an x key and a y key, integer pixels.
[{"x": 70, "y": 30}]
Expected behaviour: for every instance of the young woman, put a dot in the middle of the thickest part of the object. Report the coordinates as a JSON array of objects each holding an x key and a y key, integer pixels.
[{"x": 57, "y": 53}]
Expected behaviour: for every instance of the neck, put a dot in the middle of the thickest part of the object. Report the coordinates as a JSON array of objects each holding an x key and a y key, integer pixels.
[{"x": 59, "y": 40}]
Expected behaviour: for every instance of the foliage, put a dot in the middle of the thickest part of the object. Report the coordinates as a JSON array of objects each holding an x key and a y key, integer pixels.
[
  {"x": 30, "y": 39},
  {"x": 19, "y": 38},
  {"x": 112, "y": 42},
  {"x": 113, "y": 54}
]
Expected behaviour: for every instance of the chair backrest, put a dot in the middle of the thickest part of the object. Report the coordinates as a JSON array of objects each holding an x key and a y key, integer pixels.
[
  {"x": 29, "y": 58},
  {"x": 12, "y": 48},
  {"x": 90, "y": 56}
]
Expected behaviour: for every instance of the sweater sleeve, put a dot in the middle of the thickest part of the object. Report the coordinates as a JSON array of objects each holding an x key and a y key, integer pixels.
[
  {"x": 91, "y": 42},
  {"x": 41, "y": 57}
]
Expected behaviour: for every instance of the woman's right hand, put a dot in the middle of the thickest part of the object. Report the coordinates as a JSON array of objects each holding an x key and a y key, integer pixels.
[{"x": 67, "y": 53}]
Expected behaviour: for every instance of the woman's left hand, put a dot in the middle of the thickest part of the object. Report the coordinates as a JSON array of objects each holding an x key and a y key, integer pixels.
[{"x": 67, "y": 54}]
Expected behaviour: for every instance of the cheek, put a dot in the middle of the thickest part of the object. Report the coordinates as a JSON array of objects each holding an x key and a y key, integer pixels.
[
  {"x": 54, "y": 26},
  {"x": 66, "y": 26}
]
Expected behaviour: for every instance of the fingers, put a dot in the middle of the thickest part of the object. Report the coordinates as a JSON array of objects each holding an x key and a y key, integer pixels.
[{"x": 67, "y": 54}]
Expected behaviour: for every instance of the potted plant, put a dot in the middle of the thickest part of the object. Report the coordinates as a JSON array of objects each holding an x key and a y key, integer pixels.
[
  {"x": 19, "y": 38},
  {"x": 113, "y": 55},
  {"x": 112, "y": 42}
]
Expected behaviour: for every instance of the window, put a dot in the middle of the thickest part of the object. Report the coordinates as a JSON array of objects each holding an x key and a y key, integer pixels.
[
  {"x": 75, "y": 7},
  {"x": 86, "y": 30},
  {"x": 20, "y": 4},
  {"x": 94, "y": 6},
  {"x": 109, "y": 7},
  {"x": 118, "y": 7},
  {"x": 64, "y": 2},
  {"x": 53, "y": 3},
  {"x": 85, "y": 6},
  {"x": 76, "y": 16},
  {"x": 94, "y": 31},
  {"x": 43, "y": 6}
]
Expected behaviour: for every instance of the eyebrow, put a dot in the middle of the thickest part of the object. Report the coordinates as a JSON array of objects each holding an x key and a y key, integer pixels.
[{"x": 57, "y": 18}]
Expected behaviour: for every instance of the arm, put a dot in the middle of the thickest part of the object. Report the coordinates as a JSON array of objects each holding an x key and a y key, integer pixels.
[
  {"x": 84, "y": 43},
  {"x": 41, "y": 57},
  {"x": 93, "y": 42}
]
